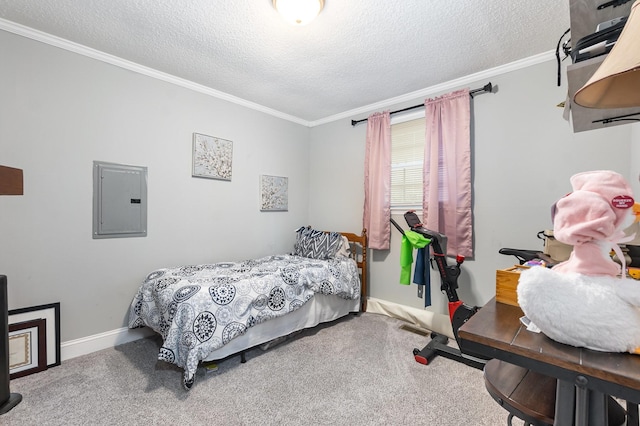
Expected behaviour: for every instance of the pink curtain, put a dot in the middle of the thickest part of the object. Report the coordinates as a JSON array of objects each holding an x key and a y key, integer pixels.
[
  {"x": 447, "y": 170},
  {"x": 377, "y": 181}
]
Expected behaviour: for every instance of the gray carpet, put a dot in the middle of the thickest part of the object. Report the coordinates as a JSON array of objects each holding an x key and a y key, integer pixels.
[{"x": 357, "y": 371}]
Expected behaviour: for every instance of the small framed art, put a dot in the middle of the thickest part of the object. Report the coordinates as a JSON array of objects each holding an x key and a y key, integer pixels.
[
  {"x": 212, "y": 157},
  {"x": 274, "y": 193},
  {"x": 50, "y": 313},
  {"x": 27, "y": 348}
]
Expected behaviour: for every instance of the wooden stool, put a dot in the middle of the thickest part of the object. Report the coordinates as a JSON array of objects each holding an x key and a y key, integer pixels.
[
  {"x": 531, "y": 396},
  {"x": 525, "y": 394}
]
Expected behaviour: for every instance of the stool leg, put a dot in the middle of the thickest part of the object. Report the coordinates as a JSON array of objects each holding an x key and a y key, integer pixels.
[
  {"x": 510, "y": 420},
  {"x": 632, "y": 414}
]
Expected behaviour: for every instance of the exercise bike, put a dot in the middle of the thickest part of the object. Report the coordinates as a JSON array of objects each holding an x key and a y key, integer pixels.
[{"x": 459, "y": 312}]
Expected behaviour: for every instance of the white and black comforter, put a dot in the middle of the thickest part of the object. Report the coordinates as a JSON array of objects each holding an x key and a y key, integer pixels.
[{"x": 199, "y": 308}]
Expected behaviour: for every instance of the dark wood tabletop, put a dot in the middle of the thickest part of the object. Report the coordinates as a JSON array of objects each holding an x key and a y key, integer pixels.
[{"x": 495, "y": 331}]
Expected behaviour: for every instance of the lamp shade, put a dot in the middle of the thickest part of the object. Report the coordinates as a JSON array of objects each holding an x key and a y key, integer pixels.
[
  {"x": 616, "y": 83},
  {"x": 298, "y": 12}
]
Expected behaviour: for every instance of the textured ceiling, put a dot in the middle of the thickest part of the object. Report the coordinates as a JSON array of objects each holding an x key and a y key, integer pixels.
[{"x": 356, "y": 53}]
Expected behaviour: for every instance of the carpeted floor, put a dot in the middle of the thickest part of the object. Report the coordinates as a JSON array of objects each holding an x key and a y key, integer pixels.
[{"x": 356, "y": 371}]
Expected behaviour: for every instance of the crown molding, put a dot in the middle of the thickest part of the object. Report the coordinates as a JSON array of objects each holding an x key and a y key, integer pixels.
[
  {"x": 439, "y": 88},
  {"x": 59, "y": 42},
  {"x": 80, "y": 49}
]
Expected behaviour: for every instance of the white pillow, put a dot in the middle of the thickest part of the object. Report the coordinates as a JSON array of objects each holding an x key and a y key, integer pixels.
[{"x": 345, "y": 248}]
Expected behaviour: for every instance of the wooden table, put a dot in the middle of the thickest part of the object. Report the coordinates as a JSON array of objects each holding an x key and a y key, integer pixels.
[{"x": 584, "y": 376}]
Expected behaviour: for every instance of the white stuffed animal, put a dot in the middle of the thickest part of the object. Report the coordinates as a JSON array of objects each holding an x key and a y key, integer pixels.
[{"x": 583, "y": 301}]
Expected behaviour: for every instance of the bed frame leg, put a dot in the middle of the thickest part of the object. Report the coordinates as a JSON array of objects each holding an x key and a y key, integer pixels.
[{"x": 243, "y": 359}]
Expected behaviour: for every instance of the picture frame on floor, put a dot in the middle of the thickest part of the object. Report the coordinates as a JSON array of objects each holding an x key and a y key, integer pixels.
[
  {"x": 51, "y": 313},
  {"x": 27, "y": 348}
]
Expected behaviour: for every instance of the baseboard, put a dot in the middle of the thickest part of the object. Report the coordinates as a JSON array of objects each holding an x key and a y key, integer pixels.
[
  {"x": 109, "y": 339},
  {"x": 97, "y": 342},
  {"x": 425, "y": 319}
]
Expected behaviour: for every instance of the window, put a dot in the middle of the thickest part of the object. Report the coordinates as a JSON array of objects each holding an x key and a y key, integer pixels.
[
  {"x": 407, "y": 159},
  {"x": 407, "y": 156},
  {"x": 449, "y": 167}
]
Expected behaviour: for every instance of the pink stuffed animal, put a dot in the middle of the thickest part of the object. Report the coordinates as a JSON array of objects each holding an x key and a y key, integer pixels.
[
  {"x": 583, "y": 301},
  {"x": 590, "y": 219}
]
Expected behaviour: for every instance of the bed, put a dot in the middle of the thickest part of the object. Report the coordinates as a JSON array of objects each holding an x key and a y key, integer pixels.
[{"x": 212, "y": 311}]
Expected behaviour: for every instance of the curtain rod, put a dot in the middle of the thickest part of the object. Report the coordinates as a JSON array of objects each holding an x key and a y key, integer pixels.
[{"x": 487, "y": 88}]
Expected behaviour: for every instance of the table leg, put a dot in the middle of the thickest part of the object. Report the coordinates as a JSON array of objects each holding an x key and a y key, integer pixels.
[
  {"x": 582, "y": 406},
  {"x": 565, "y": 403},
  {"x": 598, "y": 409},
  {"x": 591, "y": 407}
]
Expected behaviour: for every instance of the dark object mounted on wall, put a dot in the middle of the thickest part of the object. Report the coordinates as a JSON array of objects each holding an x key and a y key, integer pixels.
[{"x": 11, "y": 181}]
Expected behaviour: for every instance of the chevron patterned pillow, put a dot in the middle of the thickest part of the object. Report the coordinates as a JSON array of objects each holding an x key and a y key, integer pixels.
[{"x": 317, "y": 244}]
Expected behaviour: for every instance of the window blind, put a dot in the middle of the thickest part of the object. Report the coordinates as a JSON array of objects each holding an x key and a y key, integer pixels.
[{"x": 407, "y": 153}]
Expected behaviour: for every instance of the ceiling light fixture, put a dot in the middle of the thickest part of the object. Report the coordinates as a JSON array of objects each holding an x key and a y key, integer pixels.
[
  {"x": 298, "y": 12},
  {"x": 616, "y": 83}
]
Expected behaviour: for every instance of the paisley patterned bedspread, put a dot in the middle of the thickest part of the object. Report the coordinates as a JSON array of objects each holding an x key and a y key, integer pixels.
[{"x": 200, "y": 308}]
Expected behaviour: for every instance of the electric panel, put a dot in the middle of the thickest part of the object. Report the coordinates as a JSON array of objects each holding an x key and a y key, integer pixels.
[{"x": 119, "y": 200}]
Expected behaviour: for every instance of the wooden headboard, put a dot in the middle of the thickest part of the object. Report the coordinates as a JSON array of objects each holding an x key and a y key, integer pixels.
[{"x": 358, "y": 245}]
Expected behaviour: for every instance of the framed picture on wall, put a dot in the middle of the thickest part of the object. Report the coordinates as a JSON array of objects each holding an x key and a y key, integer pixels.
[
  {"x": 27, "y": 347},
  {"x": 274, "y": 193},
  {"x": 212, "y": 157}
]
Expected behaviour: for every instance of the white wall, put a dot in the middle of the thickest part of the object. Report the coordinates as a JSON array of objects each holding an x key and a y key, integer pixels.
[
  {"x": 60, "y": 111},
  {"x": 523, "y": 155}
]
